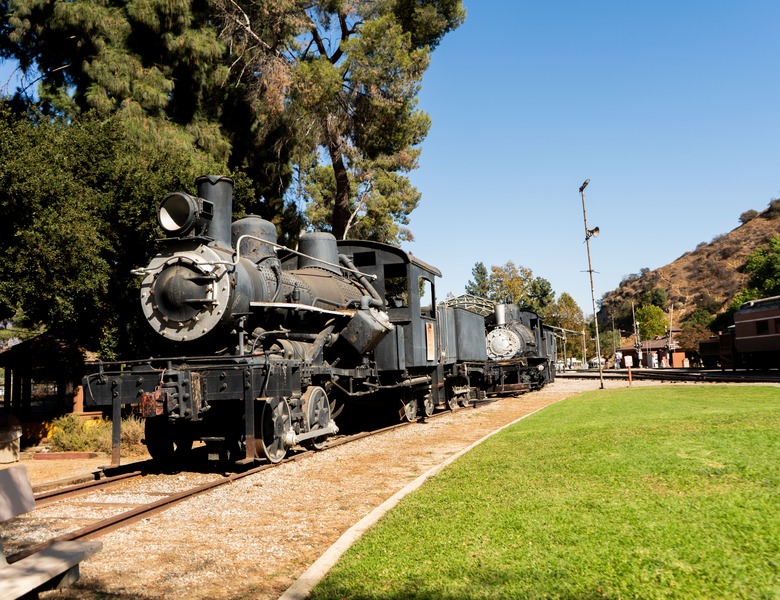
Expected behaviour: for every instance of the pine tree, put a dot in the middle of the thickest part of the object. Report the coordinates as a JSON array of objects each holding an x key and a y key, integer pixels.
[
  {"x": 340, "y": 80},
  {"x": 481, "y": 284}
]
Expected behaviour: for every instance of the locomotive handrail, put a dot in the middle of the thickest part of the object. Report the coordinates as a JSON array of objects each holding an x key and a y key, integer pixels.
[{"x": 306, "y": 307}]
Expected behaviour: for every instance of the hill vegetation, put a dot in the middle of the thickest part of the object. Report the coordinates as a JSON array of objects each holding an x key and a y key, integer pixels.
[{"x": 702, "y": 284}]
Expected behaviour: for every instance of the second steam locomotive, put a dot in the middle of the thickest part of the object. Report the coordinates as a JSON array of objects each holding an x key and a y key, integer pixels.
[{"x": 268, "y": 344}]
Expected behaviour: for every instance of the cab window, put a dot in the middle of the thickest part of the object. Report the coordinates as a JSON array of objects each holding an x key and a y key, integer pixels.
[{"x": 427, "y": 303}]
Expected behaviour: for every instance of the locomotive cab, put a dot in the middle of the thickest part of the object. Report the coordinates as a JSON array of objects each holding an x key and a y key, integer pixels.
[{"x": 408, "y": 288}]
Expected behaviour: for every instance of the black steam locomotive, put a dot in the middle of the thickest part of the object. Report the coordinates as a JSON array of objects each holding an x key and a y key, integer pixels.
[{"x": 266, "y": 341}]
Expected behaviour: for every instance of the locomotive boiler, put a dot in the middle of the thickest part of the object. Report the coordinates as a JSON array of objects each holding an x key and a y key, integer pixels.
[{"x": 266, "y": 345}]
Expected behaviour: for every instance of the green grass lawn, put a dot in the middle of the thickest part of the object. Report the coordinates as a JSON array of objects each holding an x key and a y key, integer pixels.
[{"x": 637, "y": 493}]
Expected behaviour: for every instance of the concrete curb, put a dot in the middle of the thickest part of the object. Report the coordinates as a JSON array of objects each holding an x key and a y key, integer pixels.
[{"x": 317, "y": 571}]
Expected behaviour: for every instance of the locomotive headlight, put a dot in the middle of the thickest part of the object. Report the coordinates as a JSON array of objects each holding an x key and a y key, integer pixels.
[{"x": 179, "y": 213}]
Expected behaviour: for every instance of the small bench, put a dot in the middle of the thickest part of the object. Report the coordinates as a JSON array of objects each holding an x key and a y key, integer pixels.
[{"x": 54, "y": 567}]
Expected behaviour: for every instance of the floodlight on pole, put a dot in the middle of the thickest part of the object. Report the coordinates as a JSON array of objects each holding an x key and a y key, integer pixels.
[{"x": 589, "y": 233}]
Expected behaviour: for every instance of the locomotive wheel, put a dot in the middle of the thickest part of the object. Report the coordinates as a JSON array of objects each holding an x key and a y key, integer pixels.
[
  {"x": 452, "y": 402},
  {"x": 274, "y": 423},
  {"x": 409, "y": 410},
  {"x": 428, "y": 405},
  {"x": 164, "y": 442},
  {"x": 464, "y": 400},
  {"x": 316, "y": 407}
]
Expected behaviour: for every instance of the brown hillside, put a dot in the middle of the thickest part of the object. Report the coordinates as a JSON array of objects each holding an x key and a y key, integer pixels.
[{"x": 707, "y": 277}]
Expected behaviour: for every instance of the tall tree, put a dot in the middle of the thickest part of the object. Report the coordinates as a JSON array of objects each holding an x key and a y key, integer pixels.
[
  {"x": 510, "y": 283},
  {"x": 541, "y": 295},
  {"x": 148, "y": 58},
  {"x": 763, "y": 266},
  {"x": 480, "y": 286},
  {"x": 341, "y": 79},
  {"x": 652, "y": 321}
]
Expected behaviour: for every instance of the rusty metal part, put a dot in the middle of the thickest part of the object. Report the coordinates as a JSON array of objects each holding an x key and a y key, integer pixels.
[{"x": 156, "y": 403}]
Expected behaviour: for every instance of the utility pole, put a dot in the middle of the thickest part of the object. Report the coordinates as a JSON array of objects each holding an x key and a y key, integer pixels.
[{"x": 589, "y": 233}]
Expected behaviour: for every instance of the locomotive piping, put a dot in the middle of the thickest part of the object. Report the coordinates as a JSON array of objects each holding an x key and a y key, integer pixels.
[{"x": 378, "y": 302}]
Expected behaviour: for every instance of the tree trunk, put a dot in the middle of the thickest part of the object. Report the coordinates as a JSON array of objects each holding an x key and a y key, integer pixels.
[{"x": 341, "y": 212}]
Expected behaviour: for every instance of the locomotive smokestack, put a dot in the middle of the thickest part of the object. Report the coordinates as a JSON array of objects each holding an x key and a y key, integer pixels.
[
  {"x": 219, "y": 191},
  {"x": 500, "y": 314}
]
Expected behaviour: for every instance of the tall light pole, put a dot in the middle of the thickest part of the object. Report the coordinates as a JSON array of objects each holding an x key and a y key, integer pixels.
[{"x": 589, "y": 233}]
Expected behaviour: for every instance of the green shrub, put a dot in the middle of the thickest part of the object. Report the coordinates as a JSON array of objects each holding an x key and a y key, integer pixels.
[
  {"x": 132, "y": 434},
  {"x": 747, "y": 216},
  {"x": 72, "y": 434},
  {"x": 774, "y": 209}
]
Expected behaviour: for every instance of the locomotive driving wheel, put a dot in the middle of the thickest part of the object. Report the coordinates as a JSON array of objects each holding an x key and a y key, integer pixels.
[
  {"x": 316, "y": 407},
  {"x": 452, "y": 402},
  {"x": 274, "y": 423},
  {"x": 428, "y": 405}
]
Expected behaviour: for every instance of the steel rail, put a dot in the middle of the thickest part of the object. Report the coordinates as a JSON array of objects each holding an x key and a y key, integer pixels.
[{"x": 48, "y": 497}]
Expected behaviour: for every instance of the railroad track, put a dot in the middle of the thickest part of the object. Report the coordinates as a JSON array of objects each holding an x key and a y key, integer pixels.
[{"x": 99, "y": 493}]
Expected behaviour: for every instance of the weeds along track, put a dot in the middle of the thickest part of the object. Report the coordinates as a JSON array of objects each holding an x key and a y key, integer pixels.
[{"x": 91, "y": 509}]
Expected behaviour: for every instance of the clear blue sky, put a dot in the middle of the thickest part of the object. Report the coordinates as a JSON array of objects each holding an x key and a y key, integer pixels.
[{"x": 670, "y": 108}]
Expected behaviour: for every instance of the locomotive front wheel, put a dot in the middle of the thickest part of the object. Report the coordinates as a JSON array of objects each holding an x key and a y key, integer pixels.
[
  {"x": 274, "y": 423},
  {"x": 164, "y": 442},
  {"x": 316, "y": 407},
  {"x": 452, "y": 402}
]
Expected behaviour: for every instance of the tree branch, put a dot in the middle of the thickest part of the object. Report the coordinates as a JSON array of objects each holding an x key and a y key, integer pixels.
[{"x": 247, "y": 25}]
